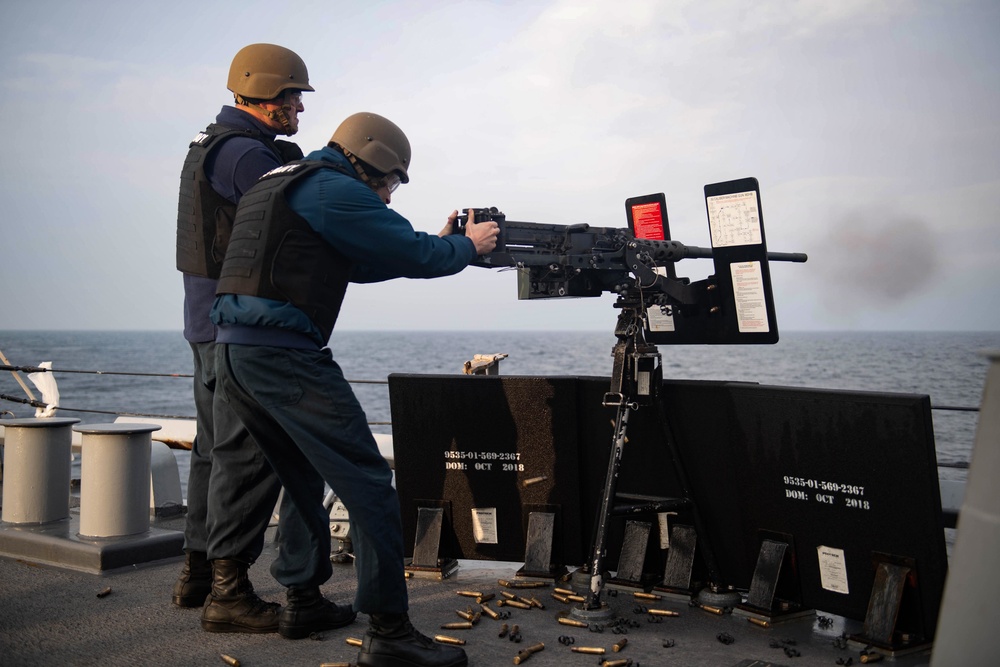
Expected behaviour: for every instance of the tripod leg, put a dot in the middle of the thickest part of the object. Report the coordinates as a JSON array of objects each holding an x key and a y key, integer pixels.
[{"x": 601, "y": 533}]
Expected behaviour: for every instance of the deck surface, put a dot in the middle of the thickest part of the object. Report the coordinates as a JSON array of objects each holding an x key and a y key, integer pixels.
[{"x": 53, "y": 616}]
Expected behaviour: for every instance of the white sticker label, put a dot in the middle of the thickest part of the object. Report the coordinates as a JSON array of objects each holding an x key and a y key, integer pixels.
[
  {"x": 734, "y": 220},
  {"x": 748, "y": 292},
  {"x": 484, "y": 525},
  {"x": 663, "y": 520},
  {"x": 832, "y": 569},
  {"x": 659, "y": 320}
]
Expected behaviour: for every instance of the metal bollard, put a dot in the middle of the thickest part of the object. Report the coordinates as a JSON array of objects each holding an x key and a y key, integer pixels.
[
  {"x": 37, "y": 455},
  {"x": 114, "y": 479}
]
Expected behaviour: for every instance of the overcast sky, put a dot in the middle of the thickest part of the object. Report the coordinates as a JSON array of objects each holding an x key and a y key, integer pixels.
[{"x": 872, "y": 126}]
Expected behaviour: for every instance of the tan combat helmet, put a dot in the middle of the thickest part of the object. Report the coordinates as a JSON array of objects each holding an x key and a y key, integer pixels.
[
  {"x": 263, "y": 72},
  {"x": 375, "y": 141}
]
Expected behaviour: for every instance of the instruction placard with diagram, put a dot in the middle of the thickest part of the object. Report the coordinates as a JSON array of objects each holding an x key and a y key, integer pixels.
[{"x": 734, "y": 219}]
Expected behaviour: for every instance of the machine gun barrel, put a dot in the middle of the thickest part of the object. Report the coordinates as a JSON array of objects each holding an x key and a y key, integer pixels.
[{"x": 675, "y": 250}]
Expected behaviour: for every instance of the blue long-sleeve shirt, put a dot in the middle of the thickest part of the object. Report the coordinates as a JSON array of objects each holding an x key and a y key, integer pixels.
[{"x": 352, "y": 218}]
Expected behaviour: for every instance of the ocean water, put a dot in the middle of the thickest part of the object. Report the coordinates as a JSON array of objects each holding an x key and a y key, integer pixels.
[{"x": 949, "y": 367}]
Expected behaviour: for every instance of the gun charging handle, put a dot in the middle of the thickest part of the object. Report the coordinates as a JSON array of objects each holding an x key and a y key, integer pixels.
[{"x": 480, "y": 215}]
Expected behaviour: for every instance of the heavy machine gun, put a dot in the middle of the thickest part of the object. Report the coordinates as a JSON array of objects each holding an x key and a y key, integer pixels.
[{"x": 734, "y": 305}]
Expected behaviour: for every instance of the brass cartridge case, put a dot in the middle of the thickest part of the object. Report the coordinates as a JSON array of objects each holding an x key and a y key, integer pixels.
[
  {"x": 445, "y": 639},
  {"x": 592, "y": 650}
]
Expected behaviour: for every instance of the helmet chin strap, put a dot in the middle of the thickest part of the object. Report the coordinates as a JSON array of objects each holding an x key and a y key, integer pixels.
[
  {"x": 358, "y": 167},
  {"x": 280, "y": 116}
]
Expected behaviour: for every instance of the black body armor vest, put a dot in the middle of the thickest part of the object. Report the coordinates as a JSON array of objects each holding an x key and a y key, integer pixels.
[
  {"x": 204, "y": 217},
  {"x": 275, "y": 254}
]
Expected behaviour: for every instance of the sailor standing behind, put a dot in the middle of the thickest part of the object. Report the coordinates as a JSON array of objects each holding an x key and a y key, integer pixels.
[
  {"x": 232, "y": 489},
  {"x": 301, "y": 235}
]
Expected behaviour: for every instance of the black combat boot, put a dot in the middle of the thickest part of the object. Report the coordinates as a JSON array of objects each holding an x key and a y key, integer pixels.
[
  {"x": 308, "y": 611},
  {"x": 195, "y": 582},
  {"x": 233, "y": 606},
  {"x": 391, "y": 641}
]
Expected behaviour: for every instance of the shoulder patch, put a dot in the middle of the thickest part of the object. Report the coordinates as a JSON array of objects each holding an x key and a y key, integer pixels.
[{"x": 201, "y": 139}]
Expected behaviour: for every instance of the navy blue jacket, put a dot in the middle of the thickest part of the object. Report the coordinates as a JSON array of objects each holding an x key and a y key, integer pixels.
[{"x": 348, "y": 215}]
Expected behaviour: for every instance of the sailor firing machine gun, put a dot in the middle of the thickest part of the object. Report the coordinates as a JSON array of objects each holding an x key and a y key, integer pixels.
[{"x": 732, "y": 306}]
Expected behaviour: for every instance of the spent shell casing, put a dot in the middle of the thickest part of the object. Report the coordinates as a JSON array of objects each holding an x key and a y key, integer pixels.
[
  {"x": 463, "y": 625},
  {"x": 353, "y": 641},
  {"x": 759, "y": 622},
  {"x": 470, "y": 594},
  {"x": 229, "y": 660},
  {"x": 516, "y": 603},
  {"x": 871, "y": 657},
  {"x": 647, "y": 596},
  {"x": 576, "y": 598},
  {"x": 663, "y": 612},
  {"x": 489, "y": 612},
  {"x": 334, "y": 664},
  {"x": 485, "y": 598},
  {"x": 507, "y": 583},
  {"x": 105, "y": 593},
  {"x": 503, "y": 631},
  {"x": 563, "y": 591},
  {"x": 535, "y": 602},
  {"x": 533, "y": 480},
  {"x": 623, "y": 662},
  {"x": 573, "y": 622},
  {"x": 619, "y": 645},
  {"x": 445, "y": 639},
  {"x": 718, "y": 611},
  {"x": 560, "y": 598},
  {"x": 467, "y": 615},
  {"x": 508, "y": 596},
  {"x": 527, "y": 653},
  {"x": 592, "y": 650}
]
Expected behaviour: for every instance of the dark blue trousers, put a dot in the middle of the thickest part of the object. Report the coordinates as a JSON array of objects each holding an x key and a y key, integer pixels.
[
  {"x": 232, "y": 488},
  {"x": 304, "y": 415}
]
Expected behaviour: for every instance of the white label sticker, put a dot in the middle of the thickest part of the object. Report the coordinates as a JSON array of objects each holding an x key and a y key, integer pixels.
[
  {"x": 832, "y": 569},
  {"x": 659, "y": 320},
  {"x": 734, "y": 220},
  {"x": 484, "y": 525},
  {"x": 663, "y": 520},
  {"x": 748, "y": 292}
]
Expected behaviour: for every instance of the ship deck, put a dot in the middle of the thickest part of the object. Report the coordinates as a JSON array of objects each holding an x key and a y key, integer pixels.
[{"x": 54, "y": 615}]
